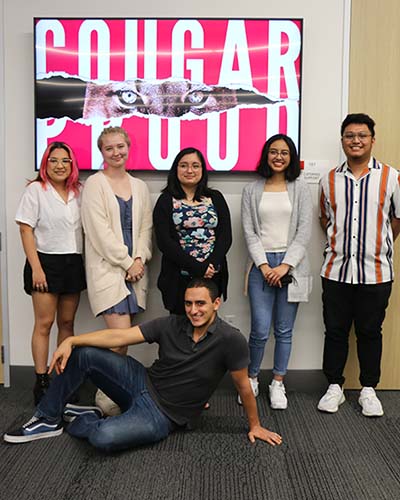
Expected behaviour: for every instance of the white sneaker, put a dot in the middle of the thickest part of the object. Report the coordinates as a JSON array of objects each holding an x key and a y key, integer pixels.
[
  {"x": 277, "y": 395},
  {"x": 107, "y": 405},
  {"x": 254, "y": 388},
  {"x": 371, "y": 406},
  {"x": 331, "y": 400}
]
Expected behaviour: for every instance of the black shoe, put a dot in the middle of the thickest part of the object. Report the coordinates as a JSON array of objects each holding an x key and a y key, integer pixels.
[
  {"x": 36, "y": 428},
  {"x": 41, "y": 385}
]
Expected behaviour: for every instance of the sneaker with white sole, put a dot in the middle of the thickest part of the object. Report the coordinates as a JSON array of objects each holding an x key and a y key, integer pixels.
[
  {"x": 332, "y": 399},
  {"x": 254, "y": 388},
  {"x": 107, "y": 405},
  {"x": 35, "y": 428},
  {"x": 371, "y": 406},
  {"x": 72, "y": 411},
  {"x": 277, "y": 395}
]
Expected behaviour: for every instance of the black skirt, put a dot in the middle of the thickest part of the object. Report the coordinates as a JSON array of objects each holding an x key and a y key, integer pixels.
[{"x": 65, "y": 273}]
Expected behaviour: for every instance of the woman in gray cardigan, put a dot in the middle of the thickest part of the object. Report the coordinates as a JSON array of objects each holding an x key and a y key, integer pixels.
[{"x": 276, "y": 218}]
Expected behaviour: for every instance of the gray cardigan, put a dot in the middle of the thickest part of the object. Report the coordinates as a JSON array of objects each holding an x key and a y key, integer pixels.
[{"x": 298, "y": 237}]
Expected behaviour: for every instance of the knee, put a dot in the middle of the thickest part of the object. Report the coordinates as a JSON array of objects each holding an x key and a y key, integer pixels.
[
  {"x": 258, "y": 339},
  {"x": 43, "y": 326},
  {"x": 105, "y": 439},
  {"x": 283, "y": 335},
  {"x": 65, "y": 325}
]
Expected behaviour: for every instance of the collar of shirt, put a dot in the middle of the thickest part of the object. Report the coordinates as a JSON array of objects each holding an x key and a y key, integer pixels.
[
  {"x": 188, "y": 328},
  {"x": 371, "y": 164}
]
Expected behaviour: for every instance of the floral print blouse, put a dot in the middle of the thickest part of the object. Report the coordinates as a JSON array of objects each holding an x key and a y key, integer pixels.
[{"x": 196, "y": 225}]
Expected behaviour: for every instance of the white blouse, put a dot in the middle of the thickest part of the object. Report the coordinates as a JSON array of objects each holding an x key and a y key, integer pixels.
[
  {"x": 56, "y": 223},
  {"x": 274, "y": 213}
]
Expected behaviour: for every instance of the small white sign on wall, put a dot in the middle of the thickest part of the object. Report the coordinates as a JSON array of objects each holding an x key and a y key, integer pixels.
[{"x": 315, "y": 169}]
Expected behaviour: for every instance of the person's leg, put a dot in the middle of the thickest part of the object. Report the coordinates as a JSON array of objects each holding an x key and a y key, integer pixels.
[
  {"x": 284, "y": 318},
  {"x": 143, "y": 423},
  {"x": 66, "y": 310},
  {"x": 120, "y": 377},
  {"x": 338, "y": 313},
  {"x": 370, "y": 308},
  {"x": 44, "y": 310},
  {"x": 118, "y": 321},
  {"x": 262, "y": 299}
]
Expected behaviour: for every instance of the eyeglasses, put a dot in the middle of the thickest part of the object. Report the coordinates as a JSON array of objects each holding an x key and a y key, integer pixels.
[
  {"x": 185, "y": 166},
  {"x": 362, "y": 136},
  {"x": 274, "y": 152},
  {"x": 65, "y": 162}
]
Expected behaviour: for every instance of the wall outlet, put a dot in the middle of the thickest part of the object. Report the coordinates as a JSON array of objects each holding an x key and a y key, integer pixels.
[{"x": 230, "y": 318}]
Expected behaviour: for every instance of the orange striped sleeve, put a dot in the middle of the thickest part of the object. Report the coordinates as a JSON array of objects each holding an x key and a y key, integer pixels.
[
  {"x": 332, "y": 199},
  {"x": 379, "y": 222}
]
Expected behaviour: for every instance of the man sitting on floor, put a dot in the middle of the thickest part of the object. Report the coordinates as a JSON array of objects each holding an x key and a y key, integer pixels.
[{"x": 194, "y": 354}]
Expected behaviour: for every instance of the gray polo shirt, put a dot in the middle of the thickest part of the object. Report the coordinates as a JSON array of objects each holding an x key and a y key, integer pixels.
[{"x": 186, "y": 373}]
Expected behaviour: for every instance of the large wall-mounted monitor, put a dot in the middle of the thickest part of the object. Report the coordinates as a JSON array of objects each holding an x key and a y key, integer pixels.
[{"x": 221, "y": 85}]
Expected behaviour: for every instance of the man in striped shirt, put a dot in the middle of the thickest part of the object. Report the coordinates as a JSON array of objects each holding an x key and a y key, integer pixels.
[{"x": 360, "y": 213}]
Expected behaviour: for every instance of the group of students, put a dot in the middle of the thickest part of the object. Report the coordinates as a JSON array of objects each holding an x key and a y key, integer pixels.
[
  {"x": 193, "y": 232},
  {"x": 359, "y": 211}
]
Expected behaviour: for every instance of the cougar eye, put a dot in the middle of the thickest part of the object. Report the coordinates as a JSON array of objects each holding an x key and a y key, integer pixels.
[{"x": 128, "y": 97}]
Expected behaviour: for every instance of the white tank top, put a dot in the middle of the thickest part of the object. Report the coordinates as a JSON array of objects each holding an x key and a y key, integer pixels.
[{"x": 274, "y": 213}]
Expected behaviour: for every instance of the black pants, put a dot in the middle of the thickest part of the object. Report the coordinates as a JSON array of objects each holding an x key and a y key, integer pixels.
[{"x": 364, "y": 305}]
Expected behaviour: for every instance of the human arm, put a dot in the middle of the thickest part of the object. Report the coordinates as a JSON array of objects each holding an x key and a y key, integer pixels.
[
  {"x": 395, "y": 227},
  {"x": 223, "y": 232},
  {"x": 323, "y": 208},
  {"x": 298, "y": 242},
  {"x": 168, "y": 244},
  {"x": 39, "y": 281},
  {"x": 106, "y": 339},
  {"x": 256, "y": 431},
  {"x": 143, "y": 221},
  {"x": 249, "y": 214}
]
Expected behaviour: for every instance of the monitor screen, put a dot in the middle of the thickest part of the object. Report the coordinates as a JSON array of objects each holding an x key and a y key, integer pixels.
[{"x": 220, "y": 85}]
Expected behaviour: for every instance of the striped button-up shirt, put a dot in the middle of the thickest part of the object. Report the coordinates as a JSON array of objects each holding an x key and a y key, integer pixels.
[{"x": 358, "y": 212}]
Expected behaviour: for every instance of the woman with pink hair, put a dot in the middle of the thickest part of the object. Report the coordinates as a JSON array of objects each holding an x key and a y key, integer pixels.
[{"x": 50, "y": 226}]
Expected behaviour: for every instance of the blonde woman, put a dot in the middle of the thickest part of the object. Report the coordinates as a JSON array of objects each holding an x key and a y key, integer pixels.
[{"x": 117, "y": 220}]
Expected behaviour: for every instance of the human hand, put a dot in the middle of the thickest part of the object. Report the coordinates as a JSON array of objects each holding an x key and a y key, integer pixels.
[
  {"x": 258, "y": 432},
  {"x": 274, "y": 275},
  {"x": 136, "y": 271},
  {"x": 210, "y": 271},
  {"x": 39, "y": 281},
  {"x": 60, "y": 357}
]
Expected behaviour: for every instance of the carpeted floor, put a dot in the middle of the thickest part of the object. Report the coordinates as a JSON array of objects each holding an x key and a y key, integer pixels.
[{"x": 342, "y": 456}]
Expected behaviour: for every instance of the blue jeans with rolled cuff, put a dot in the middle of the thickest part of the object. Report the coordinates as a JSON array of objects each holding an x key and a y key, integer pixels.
[
  {"x": 123, "y": 379},
  {"x": 269, "y": 304}
]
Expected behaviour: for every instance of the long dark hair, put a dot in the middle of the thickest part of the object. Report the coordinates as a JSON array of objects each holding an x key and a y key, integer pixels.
[
  {"x": 174, "y": 187},
  {"x": 293, "y": 170}
]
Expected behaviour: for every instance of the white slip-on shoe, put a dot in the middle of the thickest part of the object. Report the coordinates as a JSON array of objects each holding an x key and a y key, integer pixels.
[
  {"x": 277, "y": 395},
  {"x": 107, "y": 405},
  {"x": 371, "y": 406},
  {"x": 332, "y": 399},
  {"x": 254, "y": 388}
]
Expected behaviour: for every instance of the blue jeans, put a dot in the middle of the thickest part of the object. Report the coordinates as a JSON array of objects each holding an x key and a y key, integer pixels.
[
  {"x": 122, "y": 378},
  {"x": 267, "y": 303}
]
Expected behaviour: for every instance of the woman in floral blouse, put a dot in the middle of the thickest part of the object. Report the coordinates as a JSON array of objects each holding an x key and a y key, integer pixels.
[{"x": 193, "y": 230}]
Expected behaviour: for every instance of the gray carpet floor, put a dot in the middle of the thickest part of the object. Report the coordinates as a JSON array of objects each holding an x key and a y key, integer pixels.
[{"x": 341, "y": 456}]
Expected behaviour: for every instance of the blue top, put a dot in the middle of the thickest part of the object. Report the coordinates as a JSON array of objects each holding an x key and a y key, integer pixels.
[{"x": 128, "y": 305}]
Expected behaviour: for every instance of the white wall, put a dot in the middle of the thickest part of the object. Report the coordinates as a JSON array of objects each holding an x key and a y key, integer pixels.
[{"x": 321, "y": 116}]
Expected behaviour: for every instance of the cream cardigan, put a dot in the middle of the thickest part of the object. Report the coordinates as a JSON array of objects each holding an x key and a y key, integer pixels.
[{"x": 106, "y": 255}]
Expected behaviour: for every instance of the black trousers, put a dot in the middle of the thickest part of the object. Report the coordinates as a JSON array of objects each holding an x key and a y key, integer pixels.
[{"x": 365, "y": 305}]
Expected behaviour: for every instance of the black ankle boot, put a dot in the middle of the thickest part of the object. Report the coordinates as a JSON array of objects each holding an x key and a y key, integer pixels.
[{"x": 41, "y": 385}]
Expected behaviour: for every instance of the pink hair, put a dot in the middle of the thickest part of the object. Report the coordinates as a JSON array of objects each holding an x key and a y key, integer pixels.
[{"x": 72, "y": 183}]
